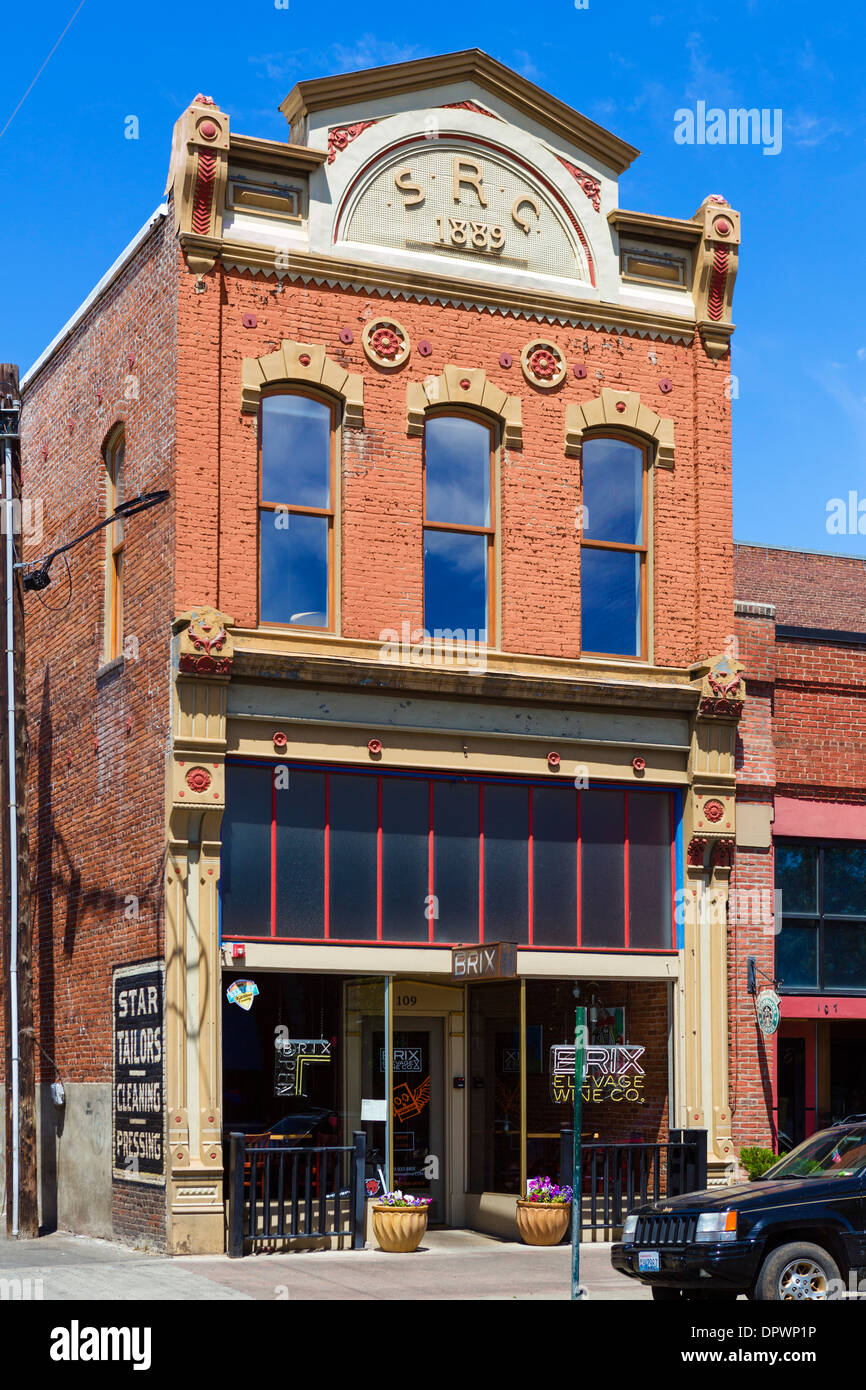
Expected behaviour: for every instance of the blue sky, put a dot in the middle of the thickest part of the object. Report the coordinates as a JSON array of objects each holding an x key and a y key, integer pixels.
[{"x": 81, "y": 189}]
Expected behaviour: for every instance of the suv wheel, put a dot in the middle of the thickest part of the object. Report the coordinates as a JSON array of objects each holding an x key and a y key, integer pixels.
[{"x": 796, "y": 1271}]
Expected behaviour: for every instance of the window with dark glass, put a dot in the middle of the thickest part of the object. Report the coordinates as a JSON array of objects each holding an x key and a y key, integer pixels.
[
  {"x": 352, "y": 822},
  {"x": 245, "y": 869},
  {"x": 613, "y": 548},
  {"x": 344, "y": 854},
  {"x": 554, "y": 866},
  {"x": 260, "y": 1090},
  {"x": 649, "y": 871},
  {"x": 405, "y": 859},
  {"x": 549, "y": 1020},
  {"x": 505, "y": 816},
  {"x": 455, "y": 861},
  {"x": 602, "y": 878},
  {"x": 299, "y": 843},
  {"x": 459, "y": 529},
  {"x": 494, "y": 1088},
  {"x": 822, "y": 943},
  {"x": 296, "y": 511}
]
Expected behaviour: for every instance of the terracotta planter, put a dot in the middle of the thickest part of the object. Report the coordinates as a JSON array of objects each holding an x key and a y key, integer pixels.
[
  {"x": 542, "y": 1223},
  {"x": 399, "y": 1230}
]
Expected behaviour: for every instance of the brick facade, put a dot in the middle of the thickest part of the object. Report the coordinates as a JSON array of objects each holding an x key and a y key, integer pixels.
[
  {"x": 382, "y": 566},
  {"x": 802, "y": 737},
  {"x": 161, "y": 349},
  {"x": 98, "y": 735},
  {"x": 807, "y": 589}
]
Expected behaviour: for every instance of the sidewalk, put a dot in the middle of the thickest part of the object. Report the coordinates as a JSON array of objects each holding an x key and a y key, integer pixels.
[{"x": 449, "y": 1265}]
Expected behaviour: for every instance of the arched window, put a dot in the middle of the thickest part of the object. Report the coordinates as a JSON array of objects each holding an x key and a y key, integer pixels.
[
  {"x": 296, "y": 510},
  {"x": 459, "y": 527},
  {"x": 115, "y": 453},
  {"x": 613, "y": 548}
]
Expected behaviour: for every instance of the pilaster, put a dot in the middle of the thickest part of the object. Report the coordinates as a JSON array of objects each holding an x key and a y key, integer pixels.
[
  {"x": 709, "y": 828},
  {"x": 195, "y": 805}
]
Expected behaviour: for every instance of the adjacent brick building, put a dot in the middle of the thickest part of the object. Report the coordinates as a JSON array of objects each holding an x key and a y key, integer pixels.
[
  {"x": 799, "y": 908},
  {"x": 431, "y": 646}
]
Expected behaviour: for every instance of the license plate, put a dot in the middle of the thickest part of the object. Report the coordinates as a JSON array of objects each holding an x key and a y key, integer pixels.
[{"x": 647, "y": 1261}]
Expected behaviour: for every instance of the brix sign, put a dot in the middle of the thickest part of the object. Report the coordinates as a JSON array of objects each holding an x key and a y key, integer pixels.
[{"x": 495, "y": 961}]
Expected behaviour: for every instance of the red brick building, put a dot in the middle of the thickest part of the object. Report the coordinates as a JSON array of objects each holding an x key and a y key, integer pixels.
[
  {"x": 800, "y": 902},
  {"x": 431, "y": 647}
]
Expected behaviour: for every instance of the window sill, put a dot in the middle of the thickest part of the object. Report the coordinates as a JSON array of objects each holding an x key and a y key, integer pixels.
[{"x": 108, "y": 668}]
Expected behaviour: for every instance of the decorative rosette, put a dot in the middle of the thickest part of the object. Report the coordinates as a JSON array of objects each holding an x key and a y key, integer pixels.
[
  {"x": 386, "y": 343},
  {"x": 198, "y": 779},
  {"x": 543, "y": 364}
]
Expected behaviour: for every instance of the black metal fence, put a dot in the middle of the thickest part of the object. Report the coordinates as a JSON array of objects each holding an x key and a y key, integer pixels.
[
  {"x": 616, "y": 1178},
  {"x": 281, "y": 1193}
]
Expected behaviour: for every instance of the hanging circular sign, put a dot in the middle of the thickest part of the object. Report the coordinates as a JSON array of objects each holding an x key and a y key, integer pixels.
[{"x": 769, "y": 1007}]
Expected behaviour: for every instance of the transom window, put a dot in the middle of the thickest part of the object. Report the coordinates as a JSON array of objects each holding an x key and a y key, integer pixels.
[
  {"x": 346, "y": 855},
  {"x": 822, "y": 944},
  {"x": 613, "y": 548},
  {"x": 459, "y": 529},
  {"x": 296, "y": 511}
]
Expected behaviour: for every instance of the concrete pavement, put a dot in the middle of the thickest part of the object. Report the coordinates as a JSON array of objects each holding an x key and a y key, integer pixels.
[{"x": 450, "y": 1265}]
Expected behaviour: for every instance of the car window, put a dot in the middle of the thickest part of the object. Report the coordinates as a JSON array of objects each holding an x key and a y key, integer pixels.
[{"x": 826, "y": 1155}]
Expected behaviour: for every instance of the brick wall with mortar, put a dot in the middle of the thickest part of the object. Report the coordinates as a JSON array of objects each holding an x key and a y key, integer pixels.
[
  {"x": 750, "y": 915},
  {"x": 99, "y": 742},
  {"x": 803, "y": 735},
  {"x": 382, "y": 561},
  {"x": 807, "y": 589}
]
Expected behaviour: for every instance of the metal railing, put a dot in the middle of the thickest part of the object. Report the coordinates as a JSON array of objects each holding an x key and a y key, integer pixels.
[
  {"x": 278, "y": 1192},
  {"x": 616, "y": 1178}
]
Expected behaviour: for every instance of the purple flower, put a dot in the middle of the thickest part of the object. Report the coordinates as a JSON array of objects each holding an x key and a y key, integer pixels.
[{"x": 543, "y": 1190}]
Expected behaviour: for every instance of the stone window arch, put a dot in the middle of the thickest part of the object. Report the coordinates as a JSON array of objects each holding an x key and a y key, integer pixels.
[
  {"x": 302, "y": 364},
  {"x": 623, "y": 412},
  {"x": 464, "y": 386}
]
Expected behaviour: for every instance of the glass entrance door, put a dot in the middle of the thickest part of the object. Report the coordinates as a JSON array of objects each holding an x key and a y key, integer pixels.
[{"x": 418, "y": 1110}]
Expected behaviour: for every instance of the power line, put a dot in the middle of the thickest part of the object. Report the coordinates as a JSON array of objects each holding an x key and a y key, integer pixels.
[{"x": 39, "y": 74}]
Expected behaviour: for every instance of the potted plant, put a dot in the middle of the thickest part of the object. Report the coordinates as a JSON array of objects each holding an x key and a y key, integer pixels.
[
  {"x": 399, "y": 1221},
  {"x": 543, "y": 1214}
]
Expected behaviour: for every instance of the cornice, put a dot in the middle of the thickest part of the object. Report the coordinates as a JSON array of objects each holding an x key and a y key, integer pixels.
[
  {"x": 275, "y": 154},
  {"x": 716, "y": 337},
  {"x": 390, "y": 281},
  {"x": 652, "y": 228},
  {"x": 542, "y": 680},
  {"x": 470, "y": 65}
]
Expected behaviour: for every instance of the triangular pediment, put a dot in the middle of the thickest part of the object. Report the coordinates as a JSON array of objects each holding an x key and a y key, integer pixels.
[{"x": 475, "y": 76}]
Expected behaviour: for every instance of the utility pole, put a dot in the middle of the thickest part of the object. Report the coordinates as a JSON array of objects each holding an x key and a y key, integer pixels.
[{"x": 22, "y": 1219}]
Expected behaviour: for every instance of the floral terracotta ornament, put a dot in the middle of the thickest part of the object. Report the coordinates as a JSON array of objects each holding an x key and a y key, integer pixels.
[
  {"x": 543, "y": 364},
  {"x": 198, "y": 779},
  {"x": 386, "y": 343}
]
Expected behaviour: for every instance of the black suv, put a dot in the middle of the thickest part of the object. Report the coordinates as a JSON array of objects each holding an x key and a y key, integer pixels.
[{"x": 799, "y": 1232}]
